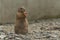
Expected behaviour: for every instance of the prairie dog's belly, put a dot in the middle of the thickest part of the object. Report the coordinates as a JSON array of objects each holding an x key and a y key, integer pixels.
[{"x": 20, "y": 23}]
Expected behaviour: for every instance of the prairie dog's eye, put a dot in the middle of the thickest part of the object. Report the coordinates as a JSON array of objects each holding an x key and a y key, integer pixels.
[{"x": 22, "y": 10}]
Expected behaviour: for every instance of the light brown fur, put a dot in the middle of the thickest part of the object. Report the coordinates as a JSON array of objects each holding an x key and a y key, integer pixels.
[{"x": 21, "y": 25}]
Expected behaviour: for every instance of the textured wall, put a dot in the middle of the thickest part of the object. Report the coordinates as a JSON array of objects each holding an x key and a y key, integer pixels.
[
  {"x": 44, "y": 8},
  {"x": 8, "y": 9},
  {"x": 36, "y": 8}
]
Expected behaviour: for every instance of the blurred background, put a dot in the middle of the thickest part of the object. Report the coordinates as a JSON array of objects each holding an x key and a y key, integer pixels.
[{"x": 37, "y": 9}]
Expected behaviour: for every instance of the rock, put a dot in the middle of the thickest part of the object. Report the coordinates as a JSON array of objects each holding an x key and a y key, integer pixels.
[
  {"x": 37, "y": 35},
  {"x": 48, "y": 29}
]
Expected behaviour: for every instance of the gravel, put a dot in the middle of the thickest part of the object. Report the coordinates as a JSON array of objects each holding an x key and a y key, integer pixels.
[{"x": 46, "y": 29}]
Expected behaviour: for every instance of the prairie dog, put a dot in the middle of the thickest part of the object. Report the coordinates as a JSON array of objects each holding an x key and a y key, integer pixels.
[{"x": 21, "y": 25}]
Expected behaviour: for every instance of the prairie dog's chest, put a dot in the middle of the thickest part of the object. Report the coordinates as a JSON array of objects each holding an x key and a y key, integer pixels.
[{"x": 20, "y": 15}]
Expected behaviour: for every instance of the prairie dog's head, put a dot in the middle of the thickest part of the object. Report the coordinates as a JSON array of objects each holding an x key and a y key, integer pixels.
[{"x": 21, "y": 10}]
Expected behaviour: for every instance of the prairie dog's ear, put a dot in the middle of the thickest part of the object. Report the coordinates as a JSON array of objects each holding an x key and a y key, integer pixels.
[{"x": 23, "y": 7}]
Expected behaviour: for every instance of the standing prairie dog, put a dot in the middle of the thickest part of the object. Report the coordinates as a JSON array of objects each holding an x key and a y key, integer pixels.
[{"x": 21, "y": 25}]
